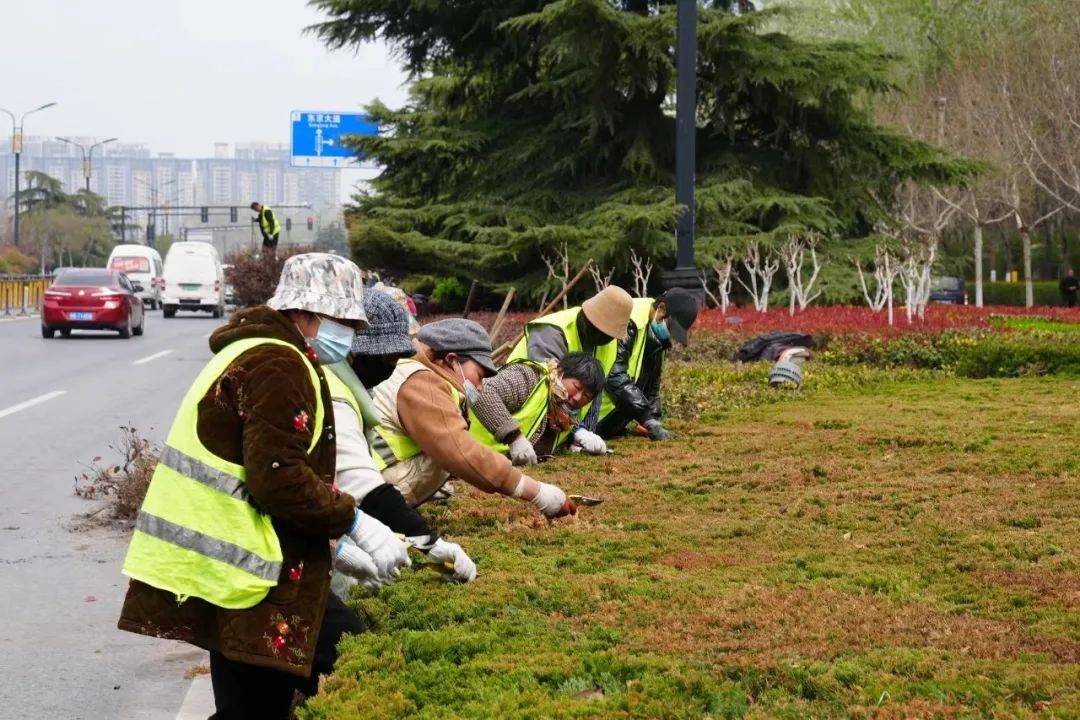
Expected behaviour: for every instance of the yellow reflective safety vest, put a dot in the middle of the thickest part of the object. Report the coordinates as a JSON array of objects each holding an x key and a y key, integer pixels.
[
  {"x": 566, "y": 320},
  {"x": 529, "y": 416},
  {"x": 340, "y": 391},
  {"x": 197, "y": 534},
  {"x": 640, "y": 317},
  {"x": 269, "y": 223},
  {"x": 390, "y": 444}
]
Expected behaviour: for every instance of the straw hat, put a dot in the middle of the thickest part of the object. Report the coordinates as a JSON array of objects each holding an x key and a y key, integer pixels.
[{"x": 609, "y": 311}]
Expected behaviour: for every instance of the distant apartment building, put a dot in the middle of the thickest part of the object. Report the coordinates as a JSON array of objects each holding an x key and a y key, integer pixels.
[{"x": 130, "y": 174}]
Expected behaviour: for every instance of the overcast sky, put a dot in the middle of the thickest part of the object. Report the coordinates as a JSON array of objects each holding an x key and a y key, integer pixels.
[{"x": 178, "y": 76}]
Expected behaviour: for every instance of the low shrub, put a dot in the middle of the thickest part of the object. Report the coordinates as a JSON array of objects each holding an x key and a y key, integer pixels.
[
  {"x": 254, "y": 274},
  {"x": 15, "y": 262},
  {"x": 123, "y": 485},
  {"x": 450, "y": 294},
  {"x": 1012, "y": 293},
  {"x": 977, "y": 354}
]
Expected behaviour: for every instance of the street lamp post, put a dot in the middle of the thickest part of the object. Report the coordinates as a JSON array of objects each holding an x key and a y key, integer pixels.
[
  {"x": 16, "y": 147},
  {"x": 685, "y": 274},
  {"x": 87, "y": 156}
]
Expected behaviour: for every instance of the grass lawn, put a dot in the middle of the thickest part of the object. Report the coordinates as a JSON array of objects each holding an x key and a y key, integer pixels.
[{"x": 897, "y": 549}]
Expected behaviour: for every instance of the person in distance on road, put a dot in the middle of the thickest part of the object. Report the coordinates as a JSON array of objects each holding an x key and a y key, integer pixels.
[
  {"x": 529, "y": 408},
  {"x": 632, "y": 391},
  {"x": 423, "y": 437},
  {"x": 374, "y": 356},
  {"x": 592, "y": 328},
  {"x": 231, "y": 548},
  {"x": 268, "y": 225}
]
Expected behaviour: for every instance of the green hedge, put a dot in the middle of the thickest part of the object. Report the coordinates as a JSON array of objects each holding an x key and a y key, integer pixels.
[
  {"x": 977, "y": 355},
  {"x": 1005, "y": 293}
]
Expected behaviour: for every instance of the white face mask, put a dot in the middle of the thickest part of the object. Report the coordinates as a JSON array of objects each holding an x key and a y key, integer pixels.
[{"x": 472, "y": 394}]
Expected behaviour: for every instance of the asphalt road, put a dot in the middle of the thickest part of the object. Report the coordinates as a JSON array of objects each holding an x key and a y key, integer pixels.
[{"x": 62, "y": 402}]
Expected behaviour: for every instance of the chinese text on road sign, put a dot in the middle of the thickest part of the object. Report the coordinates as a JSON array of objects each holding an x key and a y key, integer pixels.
[{"x": 317, "y": 137}]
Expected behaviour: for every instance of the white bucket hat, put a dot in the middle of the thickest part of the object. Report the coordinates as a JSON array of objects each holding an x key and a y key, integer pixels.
[{"x": 322, "y": 283}]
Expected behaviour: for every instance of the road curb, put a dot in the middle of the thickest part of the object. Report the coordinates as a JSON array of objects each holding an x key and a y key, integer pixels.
[{"x": 198, "y": 701}]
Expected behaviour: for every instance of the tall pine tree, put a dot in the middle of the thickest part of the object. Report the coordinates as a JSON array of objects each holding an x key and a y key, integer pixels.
[{"x": 535, "y": 124}]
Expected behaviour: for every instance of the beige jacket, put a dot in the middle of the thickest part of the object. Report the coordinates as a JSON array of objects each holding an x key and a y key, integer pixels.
[{"x": 425, "y": 410}]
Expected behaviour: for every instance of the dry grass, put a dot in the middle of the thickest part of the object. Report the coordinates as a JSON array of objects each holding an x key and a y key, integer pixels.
[{"x": 907, "y": 550}]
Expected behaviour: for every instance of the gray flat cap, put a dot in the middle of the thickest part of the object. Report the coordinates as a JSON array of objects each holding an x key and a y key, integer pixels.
[{"x": 464, "y": 337}]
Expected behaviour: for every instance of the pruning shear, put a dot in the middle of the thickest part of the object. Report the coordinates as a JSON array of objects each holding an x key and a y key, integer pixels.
[{"x": 444, "y": 568}]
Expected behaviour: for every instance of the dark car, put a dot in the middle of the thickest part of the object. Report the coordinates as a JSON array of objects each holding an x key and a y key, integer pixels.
[
  {"x": 948, "y": 290},
  {"x": 92, "y": 299}
]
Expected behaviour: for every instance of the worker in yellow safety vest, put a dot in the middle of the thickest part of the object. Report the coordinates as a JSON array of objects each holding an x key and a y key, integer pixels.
[
  {"x": 632, "y": 390},
  {"x": 592, "y": 328},
  {"x": 268, "y": 225},
  {"x": 423, "y": 436},
  {"x": 372, "y": 360},
  {"x": 231, "y": 549},
  {"x": 529, "y": 408}
]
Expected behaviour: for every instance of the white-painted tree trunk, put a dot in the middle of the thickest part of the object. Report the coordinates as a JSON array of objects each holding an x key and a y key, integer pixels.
[{"x": 978, "y": 265}]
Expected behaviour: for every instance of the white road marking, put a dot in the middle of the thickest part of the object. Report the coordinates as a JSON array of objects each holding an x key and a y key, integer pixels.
[
  {"x": 199, "y": 700},
  {"x": 31, "y": 402},
  {"x": 148, "y": 358}
]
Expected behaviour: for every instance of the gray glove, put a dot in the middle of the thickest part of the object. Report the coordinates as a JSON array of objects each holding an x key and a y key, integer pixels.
[
  {"x": 657, "y": 431},
  {"x": 522, "y": 451}
]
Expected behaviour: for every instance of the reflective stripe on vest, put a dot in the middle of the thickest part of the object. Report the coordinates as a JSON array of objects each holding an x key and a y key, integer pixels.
[
  {"x": 388, "y": 445},
  {"x": 640, "y": 316},
  {"x": 566, "y": 320},
  {"x": 270, "y": 228},
  {"x": 197, "y": 533},
  {"x": 529, "y": 416}
]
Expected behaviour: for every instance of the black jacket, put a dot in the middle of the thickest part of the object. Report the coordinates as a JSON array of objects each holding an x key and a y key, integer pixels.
[{"x": 638, "y": 400}]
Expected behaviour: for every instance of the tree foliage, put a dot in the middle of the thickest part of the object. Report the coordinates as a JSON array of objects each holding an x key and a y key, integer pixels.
[{"x": 532, "y": 124}]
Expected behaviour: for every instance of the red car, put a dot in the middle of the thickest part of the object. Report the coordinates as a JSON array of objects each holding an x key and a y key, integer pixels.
[{"x": 92, "y": 299}]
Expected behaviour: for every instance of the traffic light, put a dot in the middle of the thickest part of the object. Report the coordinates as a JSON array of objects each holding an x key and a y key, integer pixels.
[
  {"x": 204, "y": 213},
  {"x": 310, "y": 223},
  {"x": 151, "y": 233},
  {"x": 288, "y": 224},
  {"x": 232, "y": 214}
]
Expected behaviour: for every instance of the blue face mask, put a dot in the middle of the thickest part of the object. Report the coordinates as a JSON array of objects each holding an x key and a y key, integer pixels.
[
  {"x": 333, "y": 341},
  {"x": 472, "y": 395},
  {"x": 661, "y": 332}
]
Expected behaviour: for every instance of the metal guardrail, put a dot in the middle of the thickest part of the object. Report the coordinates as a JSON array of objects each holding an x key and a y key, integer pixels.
[{"x": 21, "y": 294}]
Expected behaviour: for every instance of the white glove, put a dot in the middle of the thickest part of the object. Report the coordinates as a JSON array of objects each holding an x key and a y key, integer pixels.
[
  {"x": 549, "y": 500},
  {"x": 522, "y": 452},
  {"x": 387, "y": 552},
  {"x": 448, "y": 552},
  {"x": 356, "y": 563},
  {"x": 590, "y": 442}
]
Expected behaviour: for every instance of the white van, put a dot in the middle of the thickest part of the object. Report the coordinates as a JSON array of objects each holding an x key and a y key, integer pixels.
[
  {"x": 194, "y": 279},
  {"x": 142, "y": 265}
]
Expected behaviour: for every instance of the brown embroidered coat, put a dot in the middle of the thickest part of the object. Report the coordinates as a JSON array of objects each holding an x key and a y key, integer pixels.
[{"x": 261, "y": 414}]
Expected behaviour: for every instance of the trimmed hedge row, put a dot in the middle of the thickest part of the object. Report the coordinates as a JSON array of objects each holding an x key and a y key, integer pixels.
[{"x": 1008, "y": 293}]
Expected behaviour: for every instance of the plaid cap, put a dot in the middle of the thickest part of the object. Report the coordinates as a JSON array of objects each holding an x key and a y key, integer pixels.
[{"x": 387, "y": 332}]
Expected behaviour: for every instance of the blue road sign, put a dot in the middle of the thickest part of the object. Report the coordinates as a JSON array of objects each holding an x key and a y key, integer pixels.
[{"x": 317, "y": 137}]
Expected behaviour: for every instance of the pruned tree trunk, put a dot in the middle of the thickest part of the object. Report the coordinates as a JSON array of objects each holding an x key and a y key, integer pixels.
[
  {"x": 559, "y": 269},
  {"x": 793, "y": 254},
  {"x": 1029, "y": 288},
  {"x": 978, "y": 265},
  {"x": 760, "y": 268},
  {"x": 642, "y": 272},
  {"x": 601, "y": 281}
]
